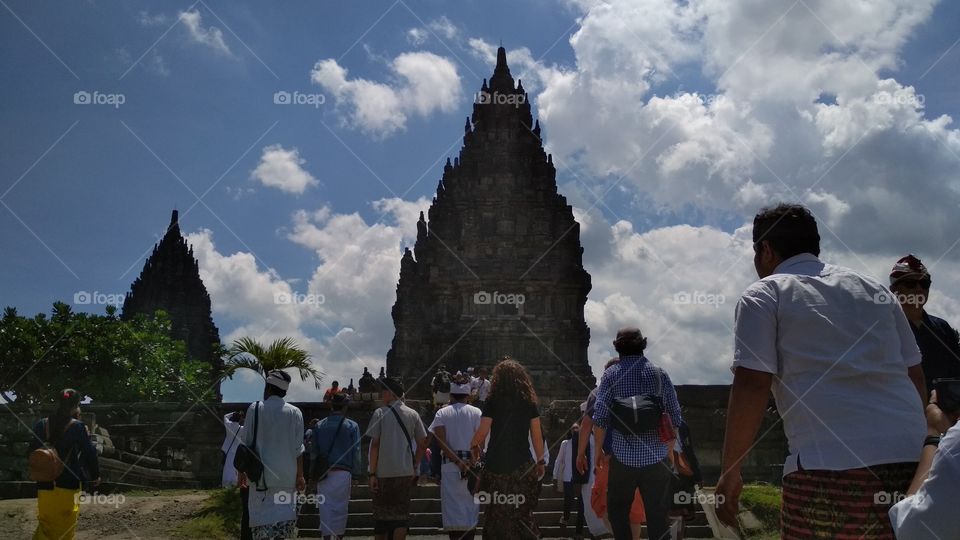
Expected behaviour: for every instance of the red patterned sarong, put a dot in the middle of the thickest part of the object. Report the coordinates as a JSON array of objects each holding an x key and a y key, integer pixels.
[{"x": 849, "y": 504}]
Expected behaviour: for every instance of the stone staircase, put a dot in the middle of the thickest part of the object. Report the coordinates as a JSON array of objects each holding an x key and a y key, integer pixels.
[{"x": 425, "y": 519}]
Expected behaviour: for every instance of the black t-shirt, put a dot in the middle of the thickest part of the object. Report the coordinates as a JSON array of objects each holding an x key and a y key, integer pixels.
[
  {"x": 509, "y": 447},
  {"x": 939, "y": 347}
]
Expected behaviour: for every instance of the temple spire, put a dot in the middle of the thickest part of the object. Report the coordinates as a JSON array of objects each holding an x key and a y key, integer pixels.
[{"x": 502, "y": 81}]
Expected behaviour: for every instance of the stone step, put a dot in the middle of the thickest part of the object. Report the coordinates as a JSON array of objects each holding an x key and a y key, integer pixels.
[
  {"x": 434, "y": 519},
  {"x": 690, "y": 533}
]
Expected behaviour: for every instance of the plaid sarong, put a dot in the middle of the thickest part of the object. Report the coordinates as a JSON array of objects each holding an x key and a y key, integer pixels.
[{"x": 851, "y": 504}]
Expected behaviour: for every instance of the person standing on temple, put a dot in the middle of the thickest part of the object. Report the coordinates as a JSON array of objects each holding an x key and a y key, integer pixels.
[
  {"x": 308, "y": 444},
  {"x": 58, "y": 501},
  {"x": 482, "y": 387},
  {"x": 279, "y": 432},
  {"x": 441, "y": 387},
  {"x": 938, "y": 341},
  {"x": 332, "y": 391},
  {"x": 453, "y": 427},
  {"x": 233, "y": 423},
  {"x": 397, "y": 446},
  {"x": 640, "y": 459},
  {"x": 510, "y": 483},
  {"x": 845, "y": 373},
  {"x": 337, "y": 438},
  {"x": 565, "y": 474}
]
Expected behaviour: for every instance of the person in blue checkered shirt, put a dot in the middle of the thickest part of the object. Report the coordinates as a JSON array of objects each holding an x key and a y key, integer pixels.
[{"x": 639, "y": 460}]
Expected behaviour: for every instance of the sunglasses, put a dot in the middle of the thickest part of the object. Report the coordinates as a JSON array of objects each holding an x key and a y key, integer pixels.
[{"x": 913, "y": 283}]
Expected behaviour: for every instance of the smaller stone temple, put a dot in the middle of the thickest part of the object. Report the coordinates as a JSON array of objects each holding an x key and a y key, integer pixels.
[{"x": 170, "y": 281}]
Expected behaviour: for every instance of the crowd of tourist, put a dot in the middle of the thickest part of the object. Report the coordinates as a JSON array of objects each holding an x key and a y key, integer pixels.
[{"x": 864, "y": 380}]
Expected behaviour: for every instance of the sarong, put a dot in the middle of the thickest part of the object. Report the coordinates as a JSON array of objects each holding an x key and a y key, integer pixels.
[
  {"x": 333, "y": 496},
  {"x": 272, "y": 507},
  {"x": 57, "y": 511},
  {"x": 460, "y": 511},
  {"x": 509, "y": 501},
  {"x": 392, "y": 501},
  {"x": 851, "y": 504}
]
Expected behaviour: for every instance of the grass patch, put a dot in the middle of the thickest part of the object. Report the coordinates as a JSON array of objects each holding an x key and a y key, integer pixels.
[
  {"x": 763, "y": 500},
  {"x": 219, "y": 518}
]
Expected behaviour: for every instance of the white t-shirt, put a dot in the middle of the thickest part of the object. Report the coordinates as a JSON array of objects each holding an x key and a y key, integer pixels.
[
  {"x": 483, "y": 389},
  {"x": 232, "y": 428},
  {"x": 460, "y": 421},
  {"x": 931, "y": 512},
  {"x": 279, "y": 440},
  {"x": 839, "y": 346}
]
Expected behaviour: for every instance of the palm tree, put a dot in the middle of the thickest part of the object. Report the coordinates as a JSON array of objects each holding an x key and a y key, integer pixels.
[{"x": 283, "y": 353}]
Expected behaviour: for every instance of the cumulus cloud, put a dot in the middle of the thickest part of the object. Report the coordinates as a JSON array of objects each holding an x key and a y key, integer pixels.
[
  {"x": 794, "y": 101},
  {"x": 425, "y": 83},
  {"x": 340, "y": 313},
  {"x": 211, "y": 36},
  {"x": 282, "y": 169}
]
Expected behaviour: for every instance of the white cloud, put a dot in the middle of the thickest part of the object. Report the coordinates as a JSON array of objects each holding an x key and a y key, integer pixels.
[
  {"x": 146, "y": 18},
  {"x": 443, "y": 27},
  {"x": 211, "y": 36},
  {"x": 282, "y": 169},
  {"x": 417, "y": 36},
  {"x": 426, "y": 83},
  {"x": 341, "y": 315}
]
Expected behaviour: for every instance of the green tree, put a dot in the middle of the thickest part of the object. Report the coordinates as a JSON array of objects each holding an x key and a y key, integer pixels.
[
  {"x": 283, "y": 353},
  {"x": 103, "y": 356}
]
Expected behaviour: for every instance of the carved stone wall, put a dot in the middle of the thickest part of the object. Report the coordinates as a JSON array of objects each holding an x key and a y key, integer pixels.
[{"x": 497, "y": 266}]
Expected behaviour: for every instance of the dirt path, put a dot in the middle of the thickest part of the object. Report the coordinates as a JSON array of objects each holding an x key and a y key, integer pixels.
[{"x": 137, "y": 517}]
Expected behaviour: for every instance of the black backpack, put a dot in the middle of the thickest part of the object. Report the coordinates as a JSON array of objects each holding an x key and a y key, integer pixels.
[{"x": 633, "y": 415}]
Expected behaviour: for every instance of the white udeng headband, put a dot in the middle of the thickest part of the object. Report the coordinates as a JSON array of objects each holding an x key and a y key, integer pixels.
[
  {"x": 278, "y": 382},
  {"x": 459, "y": 388}
]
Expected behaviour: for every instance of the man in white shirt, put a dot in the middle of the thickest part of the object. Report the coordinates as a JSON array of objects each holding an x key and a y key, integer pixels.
[
  {"x": 454, "y": 426},
  {"x": 233, "y": 423},
  {"x": 482, "y": 387},
  {"x": 278, "y": 429},
  {"x": 929, "y": 511},
  {"x": 845, "y": 372}
]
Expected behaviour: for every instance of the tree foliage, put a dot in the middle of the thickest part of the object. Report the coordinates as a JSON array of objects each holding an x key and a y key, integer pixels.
[
  {"x": 283, "y": 353},
  {"x": 102, "y": 356}
]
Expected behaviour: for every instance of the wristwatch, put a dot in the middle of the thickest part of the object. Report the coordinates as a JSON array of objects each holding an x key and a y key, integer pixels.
[{"x": 932, "y": 440}]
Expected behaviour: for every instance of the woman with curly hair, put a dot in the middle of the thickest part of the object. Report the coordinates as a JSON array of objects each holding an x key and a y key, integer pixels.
[{"x": 509, "y": 486}]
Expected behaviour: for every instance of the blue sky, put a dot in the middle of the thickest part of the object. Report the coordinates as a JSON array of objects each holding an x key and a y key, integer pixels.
[{"x": 88, "y": 188}]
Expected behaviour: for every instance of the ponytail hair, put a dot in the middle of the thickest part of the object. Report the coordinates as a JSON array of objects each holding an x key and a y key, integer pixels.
[{"x": 67, "y": 402}]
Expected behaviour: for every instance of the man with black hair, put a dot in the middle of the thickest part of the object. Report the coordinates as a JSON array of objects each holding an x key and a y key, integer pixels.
[
  {"x": 845, "y": 373},
  {"x": 938, "y": 341},
  {"x": 274, "y": 429},
  {"x": 641, "y": 459},
  {"x": 397, "y": 446},
  {"x": 454, "y": 426}
]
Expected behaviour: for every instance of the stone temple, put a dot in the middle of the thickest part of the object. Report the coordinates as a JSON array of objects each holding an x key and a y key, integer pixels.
[
  {"x": 170, "y": 281},
  {"x": 497, "y": 268}
]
